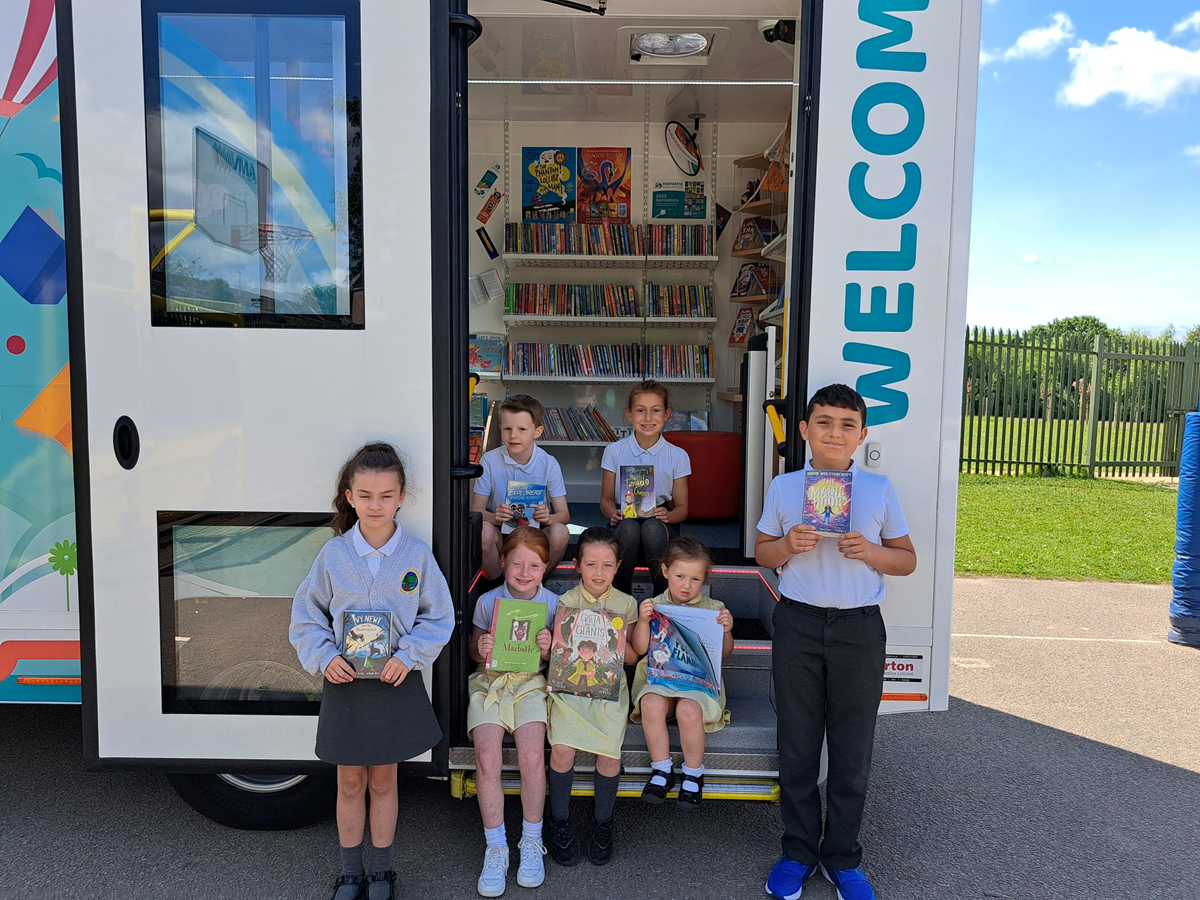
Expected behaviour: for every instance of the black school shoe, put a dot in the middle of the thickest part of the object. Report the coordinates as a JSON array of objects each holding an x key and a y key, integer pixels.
[
  {"x": 656, "y": 794},
  {"x": 564, "y": 849},
  {"x": 602, "y": 845},
  {"x": 358, "y": 880},
  {"x": 389, "y": 876},
  {"x": 691, "y": 799}
]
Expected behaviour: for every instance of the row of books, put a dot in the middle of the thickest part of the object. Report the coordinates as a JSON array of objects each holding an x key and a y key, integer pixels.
[
  {"x": 609, "y": 360},
  {"x": 573, "y": 240},
  {"x": 679, "y": 300},
  {"x": 619, "y": 300},
  {"x": 681, "y": 240},
  {"x": 567, "y": 423}
]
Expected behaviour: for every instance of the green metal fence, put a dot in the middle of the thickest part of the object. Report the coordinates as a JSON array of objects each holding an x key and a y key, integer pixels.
[{"x": 1104, "y": 407}]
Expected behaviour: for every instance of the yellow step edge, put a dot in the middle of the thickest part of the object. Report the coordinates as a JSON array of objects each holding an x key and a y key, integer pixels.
[{"x": 715, "y": 788}]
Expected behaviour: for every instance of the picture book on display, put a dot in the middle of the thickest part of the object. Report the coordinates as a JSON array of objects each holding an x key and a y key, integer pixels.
[
  {"x": 523, "y": 497},
  {"x": 587, "y": 654},
  {"x": 548, "y": 184},
  {"x": 743, "y": 327},
  {"x": 827, "y": 501},
  {"x": 756, "y": 279},
  {"x": 367, "y": 641},
  {"x": 638, "y": 496},
  {"x": 685, "y": 649},
  {"x": 485, "y": 352},
  {"x": 604, "y": 180},
  {"x": 515, "y": 624},
  {"x": 756, "y": 232}
]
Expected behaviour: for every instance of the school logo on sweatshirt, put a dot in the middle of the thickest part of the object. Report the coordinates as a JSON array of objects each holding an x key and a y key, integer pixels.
[{"x": 410, "y": 582}]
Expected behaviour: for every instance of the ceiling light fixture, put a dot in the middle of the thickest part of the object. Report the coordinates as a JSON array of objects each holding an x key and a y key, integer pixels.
[{"x": 661, "y": 45}]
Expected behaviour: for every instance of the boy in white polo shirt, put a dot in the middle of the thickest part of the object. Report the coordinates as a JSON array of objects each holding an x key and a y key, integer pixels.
[
  {"x": 519, "y": 459},
  {"x": 828, "y": 646}
]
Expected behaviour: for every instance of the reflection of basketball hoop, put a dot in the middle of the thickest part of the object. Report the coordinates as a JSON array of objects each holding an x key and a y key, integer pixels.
[
  {"x": 262, "y": 679},
  {"x": 279, "y": 245}
]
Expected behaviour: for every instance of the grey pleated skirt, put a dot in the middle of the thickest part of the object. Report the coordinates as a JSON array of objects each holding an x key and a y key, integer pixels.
[{"x": 368, "y": 722}]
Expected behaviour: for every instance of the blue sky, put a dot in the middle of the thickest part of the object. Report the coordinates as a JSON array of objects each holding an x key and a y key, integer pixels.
[{"x": 1087, "y": 164}]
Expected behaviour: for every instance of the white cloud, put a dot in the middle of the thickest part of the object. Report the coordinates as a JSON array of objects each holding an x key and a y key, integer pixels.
[
  {"x": 1193, "y": 153},
  {"x": 1034, "y": 43},
  {"x": 1134, "y": 64},
  {"x": 1189, "y": 23},
  {"x": 1030, "y": 259}
]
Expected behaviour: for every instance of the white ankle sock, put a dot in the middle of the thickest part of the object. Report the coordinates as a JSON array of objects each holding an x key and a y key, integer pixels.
[
  {"x": 496, "y": 835},
  {"x": 689, "y": 778},
  {"x": 531, "y": 830},
  {"x": 661, "y": 770}
]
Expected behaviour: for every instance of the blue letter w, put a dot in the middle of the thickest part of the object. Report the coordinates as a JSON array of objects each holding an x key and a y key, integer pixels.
[{"x": 874, "y": 385}]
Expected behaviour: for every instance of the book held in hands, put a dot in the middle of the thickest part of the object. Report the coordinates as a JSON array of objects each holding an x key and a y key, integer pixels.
[
  {"x": 827, "y": 501},
  {"x": 637, "y": 491},
  {"x": 523, "y": 497},
  {"x": 587, "y": 654},
  {"x": 515, "y": 625},
  {"x": 366, "y": 641},
  {"x": 685, "y": 649}
]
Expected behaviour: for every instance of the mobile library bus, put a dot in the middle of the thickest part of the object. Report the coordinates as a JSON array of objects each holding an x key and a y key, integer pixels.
[{"x": 259, "y": 257}]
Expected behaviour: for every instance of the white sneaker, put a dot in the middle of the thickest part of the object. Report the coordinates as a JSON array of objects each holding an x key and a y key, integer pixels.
[
  {"x": 532, "y": 871},
  {"x": 495, "y": 871}
]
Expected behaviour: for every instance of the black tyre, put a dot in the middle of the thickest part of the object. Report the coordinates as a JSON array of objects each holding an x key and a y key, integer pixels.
[{"x": 258, "y": 802}]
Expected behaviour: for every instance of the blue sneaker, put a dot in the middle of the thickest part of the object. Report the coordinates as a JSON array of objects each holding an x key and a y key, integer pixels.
[
  {"x": 787, "y": 878},
  {"x": 851, "y": 884}
]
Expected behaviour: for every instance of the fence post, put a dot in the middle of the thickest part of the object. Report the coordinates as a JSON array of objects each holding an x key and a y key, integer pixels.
[
  {"x": 1190, "y": 363},
  {"x": 1094, "y": 403}
]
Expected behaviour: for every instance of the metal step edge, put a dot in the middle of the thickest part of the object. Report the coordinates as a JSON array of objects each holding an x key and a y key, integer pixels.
[{"x": 715, "y": 787}]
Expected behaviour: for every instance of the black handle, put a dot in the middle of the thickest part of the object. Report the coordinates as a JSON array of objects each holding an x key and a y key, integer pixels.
[
  {"x": 470, "y": 24},
  {"x": 472, "y": 470},
  {"x": 126, "y": 443}
]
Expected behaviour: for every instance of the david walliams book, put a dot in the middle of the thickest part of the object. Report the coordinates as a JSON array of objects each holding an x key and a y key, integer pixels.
[
  {"x": 587, "y": 654},
  {"x": 827, "y": 501},
  {"x": 368, "y": 641},
  {"x": 515, "y": 624},
  {"x": 637, "y": 492},
  {"x": 523, "y": 497}
]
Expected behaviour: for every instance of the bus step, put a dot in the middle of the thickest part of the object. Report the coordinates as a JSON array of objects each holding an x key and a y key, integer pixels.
[{"x": 716, "y": 787}]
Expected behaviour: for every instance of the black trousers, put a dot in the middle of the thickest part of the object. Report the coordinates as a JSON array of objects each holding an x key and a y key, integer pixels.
[
  {"x": 828, "y": 673},
  {"x": 650, "y": 537}
]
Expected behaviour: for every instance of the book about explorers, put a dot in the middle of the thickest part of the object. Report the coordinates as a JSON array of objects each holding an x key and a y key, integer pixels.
[
  {"x": 827, "y": 501},
  {"x": 587, "y": 655},
  {"x": 685, "y": 649},
  {"x": 515, "y": 624},
  {"x": 367, "y": 640},
  {"x": 638, "y": 495},
  {"x": 523, "y": 497}
]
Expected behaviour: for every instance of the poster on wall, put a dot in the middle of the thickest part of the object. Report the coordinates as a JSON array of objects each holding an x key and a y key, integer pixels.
[
  {"x": 548, "y": 184},
  {"x": 679, "y": 200},
  {"x": 605, "y": 181}
]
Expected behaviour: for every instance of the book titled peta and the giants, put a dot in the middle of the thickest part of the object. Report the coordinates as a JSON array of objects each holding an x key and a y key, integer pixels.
[
  {"x": 367, "y": 641},
  {"x": 515, "y": 624},
  {"x": 587, "y": 653},
  {"x": 523, "y": 497},
  {"x": 637, "y": 492},
  {"x": 827, "y": 501}
]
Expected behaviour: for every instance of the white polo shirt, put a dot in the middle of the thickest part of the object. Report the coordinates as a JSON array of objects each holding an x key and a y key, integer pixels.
[
  {"x": 670, "y": 462},
  {"x": 373, "y": 556},
  {"x": 485, "y": 606},
  {"x": 499, "y": 469},
  {"x": 823, "y": 577}
]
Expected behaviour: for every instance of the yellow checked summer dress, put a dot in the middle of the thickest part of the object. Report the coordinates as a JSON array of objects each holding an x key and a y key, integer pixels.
[
  {"x": 716, "y": 716},
  {"x": 594, "y": 726},
  {"x": 509, "y": 699}
]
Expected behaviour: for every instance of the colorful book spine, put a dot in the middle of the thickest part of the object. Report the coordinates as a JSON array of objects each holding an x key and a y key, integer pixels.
[
  {"x": 567, "y": 239},
  {"x": 615, "y": 300},
  {"x": 663, "y": 300}
]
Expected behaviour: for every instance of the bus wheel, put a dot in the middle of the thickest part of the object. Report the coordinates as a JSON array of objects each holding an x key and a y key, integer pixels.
[{"x": 259, "y": 802}]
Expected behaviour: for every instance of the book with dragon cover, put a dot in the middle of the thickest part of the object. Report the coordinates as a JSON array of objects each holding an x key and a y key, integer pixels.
[
  {"x": 827, "y": 501},
  {"x": 604, "y": 180},
  {"x": 515, "y": 624},
  {"x": 367, "y": 641},
  {"x": 587, "y": 655}
]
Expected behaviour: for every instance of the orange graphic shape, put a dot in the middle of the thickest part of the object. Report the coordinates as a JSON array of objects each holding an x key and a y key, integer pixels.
[
  {"x": 49, "y": 415},
  {"x": 12, "y": 652}
]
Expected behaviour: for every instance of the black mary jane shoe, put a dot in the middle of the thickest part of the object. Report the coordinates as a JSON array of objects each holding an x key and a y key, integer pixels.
[
  {"x": 359, "y": 881},
  {"x": 656, "y": 794},
  {"x": 691, "y": 799},
  {"x": 389, "y": 876}
]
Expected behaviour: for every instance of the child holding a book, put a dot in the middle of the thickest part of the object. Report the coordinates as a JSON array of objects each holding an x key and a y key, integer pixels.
[
  {"x": 511, "y": 703},
  {"x": 829, "y": 642},
  {"x": 371, "y": 572},
  {"x": 592, "y": 725},
  {"x": 644, "y": 485},
  {"x": 685, "y": 566},
  {"x": 521, "y": 484}
]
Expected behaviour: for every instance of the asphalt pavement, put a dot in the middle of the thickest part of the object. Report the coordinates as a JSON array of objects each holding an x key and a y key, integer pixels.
[{"x": 1068, "y": 766}]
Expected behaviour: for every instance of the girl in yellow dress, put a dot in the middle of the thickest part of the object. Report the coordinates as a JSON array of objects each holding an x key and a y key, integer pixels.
[
  {"x": 685, "y": 565},
  {"x": 514, "y": 703},
  {"x": 593, "y": 726}
]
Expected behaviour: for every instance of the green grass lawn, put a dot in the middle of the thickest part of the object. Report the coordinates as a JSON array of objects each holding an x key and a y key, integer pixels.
[{"x": 1074, "y": 529}]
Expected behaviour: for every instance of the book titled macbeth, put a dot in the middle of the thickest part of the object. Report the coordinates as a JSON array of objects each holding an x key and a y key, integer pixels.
[
  {"x": 515, "y": 624},
  {"x": 827, "y": 501},
  {"x": 367, "y": 641}
]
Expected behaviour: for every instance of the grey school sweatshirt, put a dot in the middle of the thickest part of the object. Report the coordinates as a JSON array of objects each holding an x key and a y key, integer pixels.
[{"x": 409, "y": 587}]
